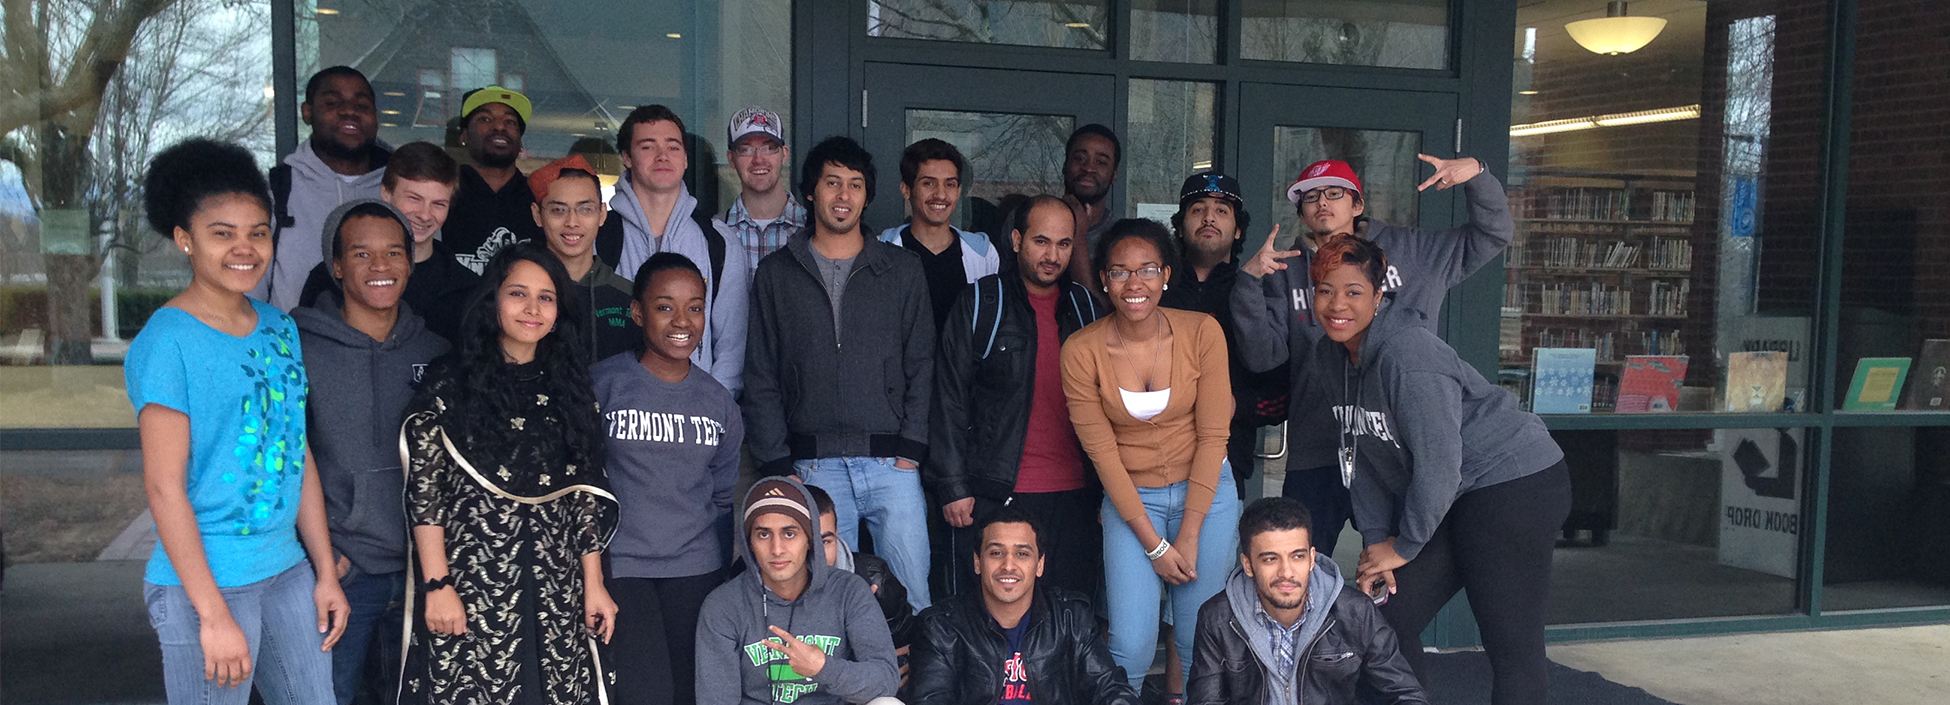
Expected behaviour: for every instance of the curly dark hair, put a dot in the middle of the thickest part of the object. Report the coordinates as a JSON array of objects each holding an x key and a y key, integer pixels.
[
  {"x": 839, "y": 151},
  {"x": 925, "y": 151},
  {"x": 182, "y": 177},
  {"x": 1008, "y": 514},
  {"x": 1271, "y": 514},
  {"x": 485, "y": 381},
  {"x": 1140, "y": 228}
]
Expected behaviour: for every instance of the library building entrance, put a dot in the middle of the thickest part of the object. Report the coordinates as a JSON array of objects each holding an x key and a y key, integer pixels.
[{"x": 1723, "y": 293}]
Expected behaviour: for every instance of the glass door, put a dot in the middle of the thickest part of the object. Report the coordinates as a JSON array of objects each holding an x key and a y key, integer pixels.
[{"x": 1009, "y": 125}]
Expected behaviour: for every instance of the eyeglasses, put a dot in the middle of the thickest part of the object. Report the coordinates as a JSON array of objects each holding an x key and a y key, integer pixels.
[
  {"x": 1331, "y": 193},
  {"x": 1122, "y": 275},
  {"x": 585, "y": 210},
  {"x": 748, "y": 151}
]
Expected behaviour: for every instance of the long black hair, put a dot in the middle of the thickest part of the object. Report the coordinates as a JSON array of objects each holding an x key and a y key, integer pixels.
[{"x": 484, "y": 383}]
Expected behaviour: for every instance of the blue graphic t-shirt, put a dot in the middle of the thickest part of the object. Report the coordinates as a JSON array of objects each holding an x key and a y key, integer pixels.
[
  {"x": 246, "y": 401},
  {"x": 1015, "y": 675}
]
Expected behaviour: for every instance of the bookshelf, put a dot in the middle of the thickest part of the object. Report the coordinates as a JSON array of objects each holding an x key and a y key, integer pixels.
[{"x": 1602, "y": 260}]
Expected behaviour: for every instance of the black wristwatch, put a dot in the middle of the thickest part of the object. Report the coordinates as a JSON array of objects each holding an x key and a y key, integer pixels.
[{"x": 445, "y": 581}]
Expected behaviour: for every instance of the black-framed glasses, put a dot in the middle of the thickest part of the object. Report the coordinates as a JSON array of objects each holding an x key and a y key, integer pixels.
[
  {"x": 1331, "y": 193},
  {"x": 1145, "y": 273}
]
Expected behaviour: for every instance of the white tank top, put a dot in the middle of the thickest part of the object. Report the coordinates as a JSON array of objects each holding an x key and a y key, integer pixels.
[{"x": 1145, "y": 405}]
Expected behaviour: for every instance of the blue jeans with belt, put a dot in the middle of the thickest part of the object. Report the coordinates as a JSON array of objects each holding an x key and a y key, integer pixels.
[
  {"x": 1133, "y": 590},
  {"x": 890, "y": 499},
  {"x": 280, "y": 623}
]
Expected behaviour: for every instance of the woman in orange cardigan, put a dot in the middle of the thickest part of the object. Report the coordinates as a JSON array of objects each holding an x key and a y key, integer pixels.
[{"x": 1151, "y": 398}]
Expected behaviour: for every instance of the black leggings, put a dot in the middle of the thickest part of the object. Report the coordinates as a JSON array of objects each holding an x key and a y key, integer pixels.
[
  {"x": 652, "y": 652},
  {"x": 1496, "y": 543}
]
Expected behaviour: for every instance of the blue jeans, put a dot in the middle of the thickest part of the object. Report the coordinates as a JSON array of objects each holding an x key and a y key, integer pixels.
[
  {"x": 279, "y": 622},
  {"x": 890, "y": 499},
  {"x": 1133, "y": 590},
  {"x": 377, "y": 602}
]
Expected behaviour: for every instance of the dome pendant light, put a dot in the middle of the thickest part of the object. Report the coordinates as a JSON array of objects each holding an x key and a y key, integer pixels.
[{"x": 1615, "y": 33}]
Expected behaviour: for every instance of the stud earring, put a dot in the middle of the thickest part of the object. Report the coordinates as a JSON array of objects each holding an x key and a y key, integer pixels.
[{"x": 186, "y": 250}]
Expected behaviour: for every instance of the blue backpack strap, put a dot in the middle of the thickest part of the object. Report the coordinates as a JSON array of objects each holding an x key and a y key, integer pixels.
[{"x": 995, "y": 318}]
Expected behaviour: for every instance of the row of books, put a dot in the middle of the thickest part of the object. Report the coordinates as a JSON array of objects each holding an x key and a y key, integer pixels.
[
  {"x": 1606, "y": 343},
  {"x": 1565, "y": 381},
  {"x": 1668, "y": 298},
  {"x": 1575, "y": 252},
  {"x": 1878, "y": 380},
  {"x": 1587, "y": 203},
  {"x": 1591, "y": 299}
]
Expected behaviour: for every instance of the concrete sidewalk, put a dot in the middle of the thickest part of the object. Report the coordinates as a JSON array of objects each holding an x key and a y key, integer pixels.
[{"x": 1882, "y": 666}]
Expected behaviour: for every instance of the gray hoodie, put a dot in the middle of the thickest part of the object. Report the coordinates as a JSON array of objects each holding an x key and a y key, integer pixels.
[
  {"x": 359, "y": 391},
  {"x": 722, "y": 351},
  {"x": 1323, "y": 585},
  {"x": 315, "y": 191},
  {"x": 1274, "y": 314},
  {"x": 1425, "y": 426},
  {"x": 836, "y": 612}
]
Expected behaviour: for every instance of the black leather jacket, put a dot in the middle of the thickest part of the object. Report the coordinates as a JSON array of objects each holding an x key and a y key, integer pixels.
[
  {"x": 958, "y": 654},
  {"x": 984, "y": 382},
  {"x": 1355, "y": 645},
  {"x": 890, "y": 593}
]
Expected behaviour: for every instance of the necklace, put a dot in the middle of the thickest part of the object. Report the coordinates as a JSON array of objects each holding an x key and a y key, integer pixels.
[
  {"x": 1157, "y": 350},
  {"x": 1350, "y": 441}
]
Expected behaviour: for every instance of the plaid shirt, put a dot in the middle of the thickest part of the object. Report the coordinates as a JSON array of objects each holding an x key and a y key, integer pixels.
[
  {"x": 761, "y": 241},
  {"x": 1286, "y": 641}
]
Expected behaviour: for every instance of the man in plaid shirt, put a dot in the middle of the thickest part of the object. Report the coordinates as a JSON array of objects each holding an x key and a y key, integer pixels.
[{"x": 765, "y": 214}]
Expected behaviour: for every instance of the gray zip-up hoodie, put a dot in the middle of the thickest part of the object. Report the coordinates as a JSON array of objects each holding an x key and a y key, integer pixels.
[
  {"x": 1274, "y": 314},
  {"x": 1323, "y": 585},
  {"x": 836, "y": 612},
  {"x": 315, "y": 191},
  {"x": 722, "y": 351},
  {"x": 1425, "y": 427},
  {"x": 861, "y": 389},
  {"x": 359, "y": 391}
]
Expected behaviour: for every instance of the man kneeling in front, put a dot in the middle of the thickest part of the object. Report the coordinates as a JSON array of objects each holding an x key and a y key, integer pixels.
[
  {"x": 1014, "y": 644},
  {"x": 791, "y": 630},
  {"x": 1302, "y": 634}
]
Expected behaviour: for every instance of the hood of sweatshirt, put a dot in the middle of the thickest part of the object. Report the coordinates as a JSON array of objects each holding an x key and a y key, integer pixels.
[
  {"x": 636, "y": 225},
  {"x": 325, "y": 318},
  {"x": 307, "y": 166},
  {"x": 1323, "y": 586},
  {"x": 815, "y": 557},
  {"x": 1390, "y": 320},
  {"x": 328, "y": 235}
]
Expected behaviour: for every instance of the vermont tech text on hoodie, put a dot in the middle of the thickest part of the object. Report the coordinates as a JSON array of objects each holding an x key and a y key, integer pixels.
[
  {"x": 673, "y": 464},
  {"x": 359, "y": 392},
  {"x": 315, "y": 191},
  {"x": 836, "y": 613},
  {"x": 722, "y": 351},
  {"x": 1426, "y": 426},
  {"x": 1274, "y": 314}
]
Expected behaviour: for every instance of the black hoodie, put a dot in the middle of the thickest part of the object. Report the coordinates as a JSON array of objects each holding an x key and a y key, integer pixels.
[
  {"x": 1425, "y": 427},
  {"x": 359, "y": 391}
]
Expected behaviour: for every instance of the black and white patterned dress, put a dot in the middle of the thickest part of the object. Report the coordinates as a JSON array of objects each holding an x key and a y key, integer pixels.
[{"x": 516, "y": 527}]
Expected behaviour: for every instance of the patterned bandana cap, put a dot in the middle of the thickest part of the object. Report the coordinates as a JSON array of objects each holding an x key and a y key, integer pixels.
[{"x": 755, "y": 121}]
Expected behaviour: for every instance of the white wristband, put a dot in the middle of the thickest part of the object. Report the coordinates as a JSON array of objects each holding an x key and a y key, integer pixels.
[{"x": 1159, "y": 552}]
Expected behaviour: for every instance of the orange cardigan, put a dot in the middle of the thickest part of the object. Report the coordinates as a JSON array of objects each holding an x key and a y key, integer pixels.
[{"x": 1187, "y": 441}]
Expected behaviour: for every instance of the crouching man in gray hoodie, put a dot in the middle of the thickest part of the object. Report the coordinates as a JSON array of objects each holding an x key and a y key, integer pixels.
[
  {"x": 364, "y": 351},
  {"x": 791, "y": 630},
  {"x": 1303, "y": 634}
]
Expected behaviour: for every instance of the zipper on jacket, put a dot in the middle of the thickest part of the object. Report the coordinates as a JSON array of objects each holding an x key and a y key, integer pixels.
[
  {"x": 839, "y": 346},
  {"x": 1306, "y": 657}
]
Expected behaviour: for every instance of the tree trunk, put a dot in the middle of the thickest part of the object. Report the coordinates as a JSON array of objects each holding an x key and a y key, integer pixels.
[{"x": 65, "y": 174}]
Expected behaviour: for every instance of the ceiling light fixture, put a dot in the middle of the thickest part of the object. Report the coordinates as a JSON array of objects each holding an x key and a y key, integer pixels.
[
  {"x": 1615, "y": 33},
  {"x": 1202, "y": 166},
  {"x": 1526, "y": 92},
  {"x": 1077, "y": 25},
  {"x": 1638, "y": 117},
  {"x": 395, "y": 94},
  {"x": 326, "y": 11},
  {"x": 389, "y": 112},
  {"x": 674, "y": 35},
  {"x": 388, "y": 124}
]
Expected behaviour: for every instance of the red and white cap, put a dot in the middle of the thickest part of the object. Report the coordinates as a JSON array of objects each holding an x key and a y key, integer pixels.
[
  {"x": 1321, "y": 174},
  {"x": 755, "y": 121}
]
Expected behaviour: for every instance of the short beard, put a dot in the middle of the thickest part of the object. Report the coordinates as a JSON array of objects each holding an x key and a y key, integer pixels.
[
  {"x": 496, "y": 161},
  {"x": 327, "y": 147},
  {"x": 1089, "y": 200}
]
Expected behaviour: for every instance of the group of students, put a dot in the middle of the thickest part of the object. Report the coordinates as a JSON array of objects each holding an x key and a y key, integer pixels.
[{"x": 477, "y": 462}]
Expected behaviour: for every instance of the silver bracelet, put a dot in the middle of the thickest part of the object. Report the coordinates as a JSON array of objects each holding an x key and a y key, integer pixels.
[{"x": 1159, "y": 552}]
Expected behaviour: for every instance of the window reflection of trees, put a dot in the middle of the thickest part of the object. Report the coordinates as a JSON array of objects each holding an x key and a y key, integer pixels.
[
  {"x": 1056, "y": 23},
  {"x": 1006, "y": 152}
]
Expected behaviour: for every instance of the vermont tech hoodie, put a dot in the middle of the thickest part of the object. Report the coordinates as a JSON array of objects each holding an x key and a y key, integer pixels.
[
  {"x": 836, "y": 612},
  {"x": 359, "y": 391},
  {"x": 1274, "y": 314},
  {"x": 1426, "y": 427},
  {"x": 315, "y": 191},
  {"x": 722, "y": 351}
]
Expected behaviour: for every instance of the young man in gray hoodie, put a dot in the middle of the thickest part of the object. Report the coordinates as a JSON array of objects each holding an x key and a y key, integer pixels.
[
  {"x": 364, "y": 352},
  {"x": 1306, "y": 636},
  {"x": 343, "y": 161},
  {"x": 653, "y": 212},
  {"x": 1272, "y": 300},
  {"x": 791, "y": 630}
]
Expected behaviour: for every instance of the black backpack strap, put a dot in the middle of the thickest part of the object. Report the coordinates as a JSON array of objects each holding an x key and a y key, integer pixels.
[
  {"x": 714, "y": 241},
  {"x": 280, "y": 201}
]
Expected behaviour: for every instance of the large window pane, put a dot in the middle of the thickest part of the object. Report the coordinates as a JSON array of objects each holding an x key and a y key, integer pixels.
[
  {"x": 1666, "y": 206},
  {"x": 1888, "y": 519},
  {"x": 1411, "y": 34},
  {"x": 1175, "y": 30},
  {"x": 1679, "y": 524},
  {"x": 1073, "y": 24},
  {"x": 1170, "y": 137},
  {"x": 1007, "y": 153},
  {"x": 584, "y": 65}
]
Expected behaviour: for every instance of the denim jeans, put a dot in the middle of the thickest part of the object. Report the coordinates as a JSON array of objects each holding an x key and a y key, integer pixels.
[
  {"x": 280, "y": 624},
  {"x": 377, "y": 602},
  {"x": 890, "y": 499},
  {"x": 1133, "y": 590}
]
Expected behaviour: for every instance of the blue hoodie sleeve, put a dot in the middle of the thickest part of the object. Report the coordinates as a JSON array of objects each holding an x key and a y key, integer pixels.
[
  {"x": 873, "y": 672},
  {"x": 1427, "y": 409},
  {"x": 729, "y": 320}
]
